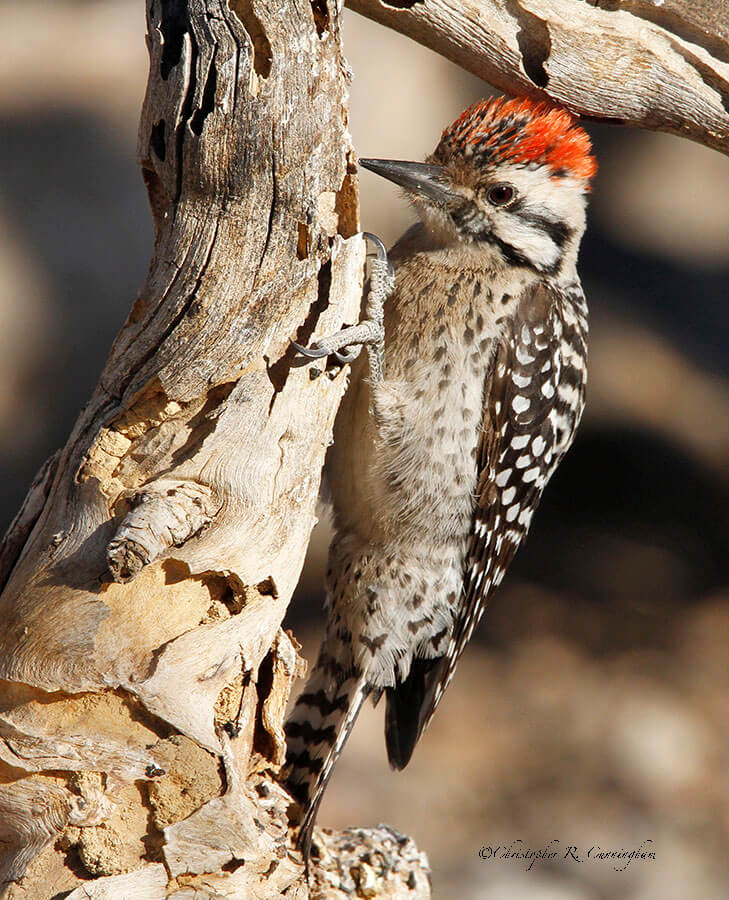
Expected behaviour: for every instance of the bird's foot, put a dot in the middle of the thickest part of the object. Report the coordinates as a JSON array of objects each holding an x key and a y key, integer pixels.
[{"x": 346, "y": 344}]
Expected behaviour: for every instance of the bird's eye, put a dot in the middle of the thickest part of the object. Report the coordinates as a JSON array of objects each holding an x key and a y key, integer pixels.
[{"x": 500, "y": 194}]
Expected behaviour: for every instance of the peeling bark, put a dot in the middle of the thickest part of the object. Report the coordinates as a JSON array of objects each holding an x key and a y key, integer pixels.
[
  {"x": 658, "y": 65},
  {"x": 144, "y": 671}
]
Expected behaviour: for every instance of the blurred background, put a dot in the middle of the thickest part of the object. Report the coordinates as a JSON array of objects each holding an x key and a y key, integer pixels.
[{"x": 592, "y": 709}]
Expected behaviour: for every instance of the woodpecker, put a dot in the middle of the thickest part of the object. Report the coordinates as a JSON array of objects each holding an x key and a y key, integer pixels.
[{"x": 452, "y": 424}]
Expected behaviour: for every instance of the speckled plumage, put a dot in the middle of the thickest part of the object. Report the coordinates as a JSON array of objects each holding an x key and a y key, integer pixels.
[{"x": 436, "y": 470}]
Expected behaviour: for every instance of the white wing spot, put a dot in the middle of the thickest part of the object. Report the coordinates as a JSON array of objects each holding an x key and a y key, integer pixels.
[
  {"x": 519, "y": 441},
  {"x": 503, "y": 477},
  {"x": 508, "y": 495},
  {"x": 523, "y": 356},
  {"x": 547, "y": 366},
  {"x": 525, "y": 517},
  {"x": 531, "y": 474},
  {"x": 511, "y": 513},
  {"x": 520, "y": 404},
  {"x": 521, "y": 380},
  {"x": 548, "y": 389},
  {"x": 538, "y": 445},
  {"x": 523, "y": 461}
]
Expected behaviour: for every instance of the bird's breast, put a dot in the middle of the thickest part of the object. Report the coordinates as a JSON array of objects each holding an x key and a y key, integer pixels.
[{"x": 428, "y": 414}]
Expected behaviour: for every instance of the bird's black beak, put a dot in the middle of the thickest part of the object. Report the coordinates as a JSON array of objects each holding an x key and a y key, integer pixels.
[{"x": 422, "y": 179}]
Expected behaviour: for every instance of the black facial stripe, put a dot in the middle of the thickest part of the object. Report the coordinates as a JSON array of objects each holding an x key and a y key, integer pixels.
[
  {"x": 515, "y": 256},
  {"x": 467, "y": 220},
  {"x": 558, "y": 232},
  {"x": 509, "y": 252}
]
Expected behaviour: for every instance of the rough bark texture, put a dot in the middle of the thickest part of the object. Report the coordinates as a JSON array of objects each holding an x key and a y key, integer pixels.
[
  {"x": 659, "y": 64},
  {"x": 144, "y": 673}
]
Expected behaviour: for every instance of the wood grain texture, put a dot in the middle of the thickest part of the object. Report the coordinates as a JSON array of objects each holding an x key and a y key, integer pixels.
[
  {"x": 144, "y": 674},
  {"x": 657, "y": 64},
  {"x": 148, "y": 883}
]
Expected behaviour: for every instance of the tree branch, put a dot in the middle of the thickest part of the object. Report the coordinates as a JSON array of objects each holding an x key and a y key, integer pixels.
[{"x": 662, "y": 66}]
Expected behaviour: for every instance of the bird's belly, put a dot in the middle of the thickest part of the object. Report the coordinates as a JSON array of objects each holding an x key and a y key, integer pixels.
[
  {"x": 403, "y": 512},
  {"x": 423, "y": 466}
]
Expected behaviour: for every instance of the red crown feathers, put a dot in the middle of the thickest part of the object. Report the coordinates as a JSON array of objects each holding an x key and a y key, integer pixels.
[{"x": 523, "y": 131}]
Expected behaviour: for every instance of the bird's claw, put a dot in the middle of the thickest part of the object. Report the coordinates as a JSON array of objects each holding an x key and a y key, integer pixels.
[
  {"x": 316, "y": 352},
  {"x": 312, "y": 352},
  {"x": 345, "y": 345},
  {"x": 381, "y": 251},
  {"x": 344, "y": 358}
]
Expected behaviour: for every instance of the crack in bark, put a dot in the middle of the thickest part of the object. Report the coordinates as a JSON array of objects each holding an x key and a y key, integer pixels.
[
  {"x": 272, "y": 211},
  {"x": 185, "y": 113},
  {"x": 401, "y": 4},
  {"x": 321, "y": 16},
  {"x": 157, "y": 139},
  {"x": 324, "y": 281},
  {"x": 535, "y": 43},
  {"x": 173, "y": 27},
  {"x": 262, "y": 53},
  {"x": 303, "y": 241},
  {"x": 207, "y": 103}
]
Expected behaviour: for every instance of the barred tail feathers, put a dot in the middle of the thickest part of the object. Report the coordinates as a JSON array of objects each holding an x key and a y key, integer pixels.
[{"x": 317, "y": 730}]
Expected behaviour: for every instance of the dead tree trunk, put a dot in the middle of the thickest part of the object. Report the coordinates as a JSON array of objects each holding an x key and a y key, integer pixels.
[{"x": 144, "y": 670}]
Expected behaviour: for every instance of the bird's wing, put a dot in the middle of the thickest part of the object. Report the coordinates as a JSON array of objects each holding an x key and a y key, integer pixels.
[{"x": 533, "y": 399}]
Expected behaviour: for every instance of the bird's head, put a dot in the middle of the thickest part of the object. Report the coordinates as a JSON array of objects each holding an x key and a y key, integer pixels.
[{"x": 508, "y": 178}]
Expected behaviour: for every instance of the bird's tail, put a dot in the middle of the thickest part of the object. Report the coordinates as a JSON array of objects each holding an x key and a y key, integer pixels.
[{"x": 317, "y": 730}]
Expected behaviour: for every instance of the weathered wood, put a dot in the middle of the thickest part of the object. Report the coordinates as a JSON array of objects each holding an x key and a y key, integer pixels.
[
  {"x": 144, "y": 671},
  {"x": 370, "y": 862},
  {"x": 149, "y": 883},
  {"x": 662, "y": 65}
]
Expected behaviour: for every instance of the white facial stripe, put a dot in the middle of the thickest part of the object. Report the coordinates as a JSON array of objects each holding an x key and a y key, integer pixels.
[{"x": 529, "y": 240}]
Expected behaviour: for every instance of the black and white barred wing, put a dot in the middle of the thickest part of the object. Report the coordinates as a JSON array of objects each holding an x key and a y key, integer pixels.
[{"x": 533, "y": 401}]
